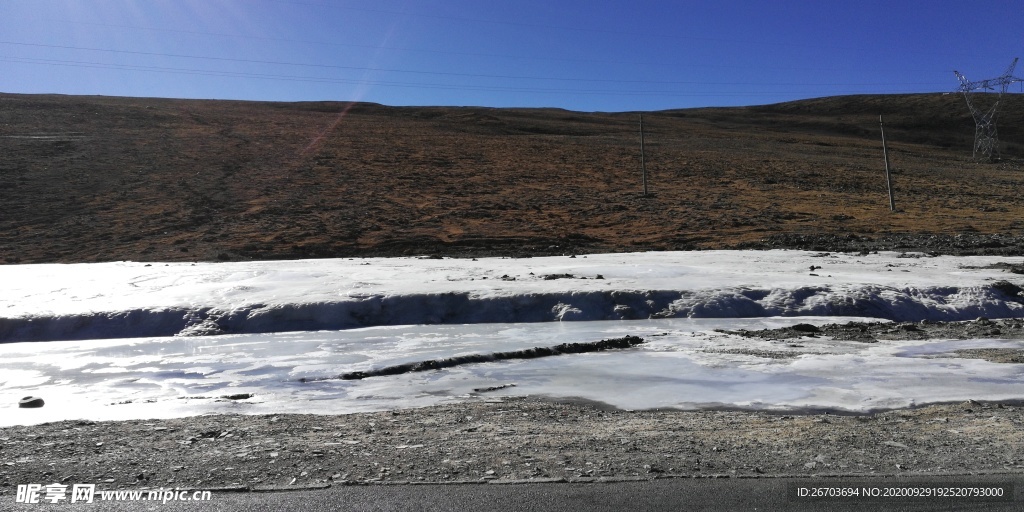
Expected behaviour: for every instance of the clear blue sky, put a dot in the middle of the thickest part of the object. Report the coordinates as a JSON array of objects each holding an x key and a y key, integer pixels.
[{"x": 579, "y": 55}]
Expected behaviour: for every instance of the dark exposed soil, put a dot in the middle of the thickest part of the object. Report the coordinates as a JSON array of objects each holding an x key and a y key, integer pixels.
[
  {"x": 530, "y": 353},
  {"x": 103, "y": 179},
  {"x": 961, "y": 244}
]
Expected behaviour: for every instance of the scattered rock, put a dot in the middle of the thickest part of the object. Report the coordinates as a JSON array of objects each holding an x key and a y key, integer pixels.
[
  {"x": 550, "y": 277},
  {"x": 531, "y": 439},
  {"x": 31, "y": 402},
  {"x": 805, "y": 328}
]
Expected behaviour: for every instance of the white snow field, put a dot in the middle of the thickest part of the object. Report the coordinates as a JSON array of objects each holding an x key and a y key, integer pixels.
[
  {"x": 126, "y": 299},
  {"x": 119, "y": 340}
]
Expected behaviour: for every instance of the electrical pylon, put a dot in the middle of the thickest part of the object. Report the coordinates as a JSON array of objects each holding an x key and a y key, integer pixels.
[{"x": 986, "y": 140}]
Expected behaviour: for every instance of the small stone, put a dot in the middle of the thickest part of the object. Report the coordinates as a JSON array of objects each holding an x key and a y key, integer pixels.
[
  {"x": 805, "y": 328},
  {"x": 30, "y": 402}
]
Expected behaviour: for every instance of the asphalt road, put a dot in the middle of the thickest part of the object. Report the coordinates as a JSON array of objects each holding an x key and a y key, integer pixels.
[{"x": 726, "y": 494}]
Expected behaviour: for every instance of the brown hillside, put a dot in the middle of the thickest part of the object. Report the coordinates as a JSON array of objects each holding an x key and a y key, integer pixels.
[{"x": 100, "y": 179}]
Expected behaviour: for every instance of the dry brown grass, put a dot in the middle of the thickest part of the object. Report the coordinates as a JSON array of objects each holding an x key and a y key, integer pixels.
[{"x": 173, "y": 180}]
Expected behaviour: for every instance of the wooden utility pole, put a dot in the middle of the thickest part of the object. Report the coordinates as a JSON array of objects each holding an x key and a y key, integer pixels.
[
  {"x": 888, "y": 175},
  {"x": 643, "y": 166}
]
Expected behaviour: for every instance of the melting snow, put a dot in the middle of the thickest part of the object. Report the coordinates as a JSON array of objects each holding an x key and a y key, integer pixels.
[
  {"x": 282, "y": 320},
  {"x": 117, "y": 300}
]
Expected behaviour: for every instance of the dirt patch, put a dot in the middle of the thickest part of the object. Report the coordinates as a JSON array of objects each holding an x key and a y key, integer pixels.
[
  {"x": 870, "y": 332},
  {"x": 993, "y": 355},
  {"x": 767, "y": 354},
  {"x": 530, "y": 353}
]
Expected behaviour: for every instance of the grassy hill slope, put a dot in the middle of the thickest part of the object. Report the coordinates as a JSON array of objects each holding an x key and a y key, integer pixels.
[{"x": 104, "y": 178}]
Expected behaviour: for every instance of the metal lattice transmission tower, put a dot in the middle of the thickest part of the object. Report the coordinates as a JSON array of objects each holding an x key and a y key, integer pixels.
[{"x": 986, "y": 140}]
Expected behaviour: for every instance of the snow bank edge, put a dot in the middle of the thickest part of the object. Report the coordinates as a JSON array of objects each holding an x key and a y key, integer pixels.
[{"x": 897, "y": 304}]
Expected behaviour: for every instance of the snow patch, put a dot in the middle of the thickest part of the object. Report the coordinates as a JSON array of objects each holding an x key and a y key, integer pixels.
[
  {"x": 118, "y": 300},
  {"x": 683, "y": 363}
]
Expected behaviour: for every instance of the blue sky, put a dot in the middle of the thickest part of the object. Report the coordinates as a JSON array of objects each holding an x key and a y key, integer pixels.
[{"x": 579, "y": 55}]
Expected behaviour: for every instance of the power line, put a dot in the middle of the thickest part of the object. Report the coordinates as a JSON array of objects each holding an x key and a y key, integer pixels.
[
  {"x": 353, "y": 45},
  {"x": 418, "y": 85},
  {"x": 562, "y": 28},
  {"x": 443, "y": 73},
  {"x": 449, "y": 52}
]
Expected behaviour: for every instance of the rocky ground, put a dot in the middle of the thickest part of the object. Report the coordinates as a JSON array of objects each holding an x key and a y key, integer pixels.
[{"x": 509, "y": 440}]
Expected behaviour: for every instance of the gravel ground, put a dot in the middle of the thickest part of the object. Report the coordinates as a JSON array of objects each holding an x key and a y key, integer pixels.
[
  {"x": 531, "y": 438},
  {"x": 509, "y": 440}
]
